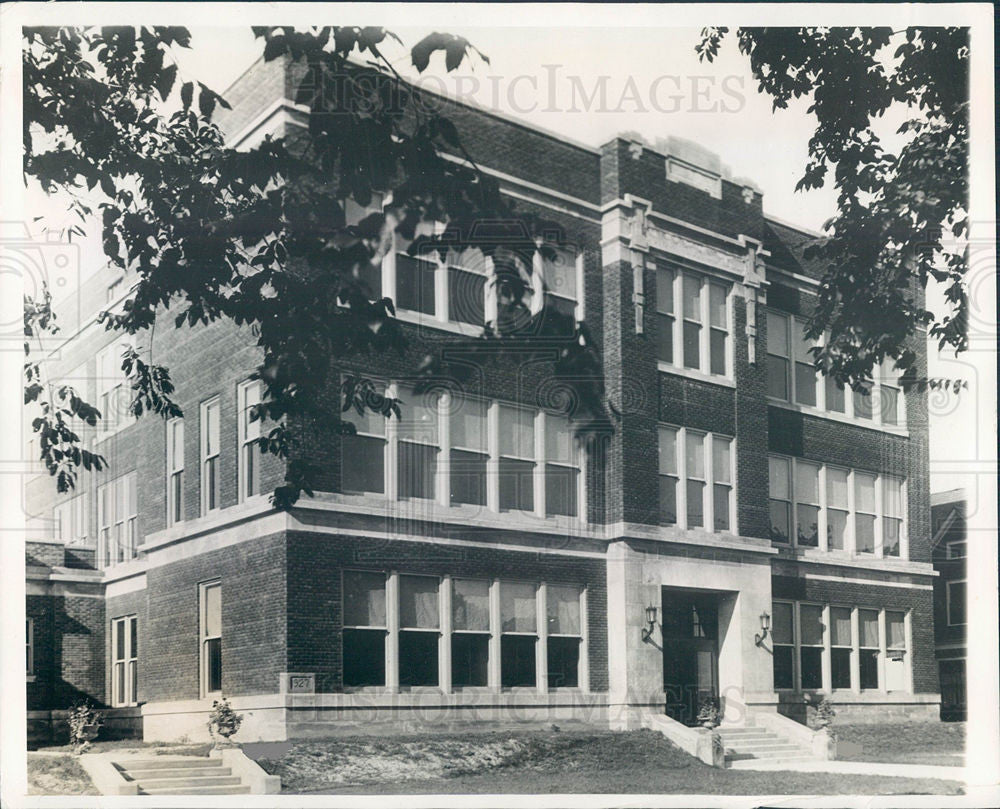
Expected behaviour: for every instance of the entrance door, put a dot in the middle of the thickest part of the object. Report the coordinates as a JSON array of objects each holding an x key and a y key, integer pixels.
[{"x": 690, "y": 652}]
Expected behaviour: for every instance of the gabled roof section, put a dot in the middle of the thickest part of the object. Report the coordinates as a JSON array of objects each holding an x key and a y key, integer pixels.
[{"x": 787, "y": 245}]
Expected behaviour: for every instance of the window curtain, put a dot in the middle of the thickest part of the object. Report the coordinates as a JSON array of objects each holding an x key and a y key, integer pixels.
[
  {"x": 517, "y": 607},
  {"x": 364, "y": 599},
  {"x": 471, "y": 605},
  {"x": 418, "y": 602},
  {"x": 564, "y": 610}
]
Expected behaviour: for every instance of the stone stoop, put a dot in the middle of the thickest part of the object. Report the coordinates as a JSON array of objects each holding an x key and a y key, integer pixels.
[
  {"x": 749, "y": 744},
  {"x": 181, "y": 775}
]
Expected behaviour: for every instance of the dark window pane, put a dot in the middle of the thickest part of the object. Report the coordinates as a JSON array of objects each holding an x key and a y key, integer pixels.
[
  {"x": 695, "y": 504},
  {"x": 956, "y": 602},
  {"x": 805, "y": 384},
  {"x": 718, "y": 352},
  {"x": 120, "y": 696},
  {"x": 470, "y": 656},
  {"x": 807, "y": 525},
  {"x": 840, "y": 668},
  {"x": 862, "y": 405},
  {"x": 416, "y": 470},
  {"x": 720, "y": 505},
  {"x": 418, "y": 658},
  {"x": 864, "y": 529},
  {"x": 836, "y": 526},
  {"x": 869, "y": 668},
  {"x": 414, "y": 284},
  {"x": 560, "y": 490},
  {"x": 812, "y": 666},
  {"x": 890, "y": 536},
  {"x": 692, "y": 345},
  {"x": 213, "y": 652},
  {"x": 668, "y": 500},
  {"x": 516, "y": 485},
  {"x": 466, "y": 296},
  {"x": 560, "y": 314},
  {"x": 564, "y": 662},
  {"x": 664, "y": 338},
  {"x": 134, "y": 631},
  {"x": 468, "y": 477},
  {"x": 783, "y": 666},
  {"x": 211, "y": 478},
  {"x": 779, "y": 521},
  {"x": 364, "y": 657},
  {"x": 777, "y": 377},
  {"x": 517, "y": 661},
  {"x": 119, "y": 640},
  {"x": 834, "y": 396},
  {"x": 177, "y": 482},
  {"x": 363, "y": 464}
]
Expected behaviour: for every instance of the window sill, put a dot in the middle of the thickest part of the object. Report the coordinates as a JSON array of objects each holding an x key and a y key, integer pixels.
[
  {"x": 29, "y": 678},
  {"x": 432, "y": 322},
  {"x": 699, "y": 376},
  {"x": 865, "y": 424},
  {"x": 811, "y": 553}
]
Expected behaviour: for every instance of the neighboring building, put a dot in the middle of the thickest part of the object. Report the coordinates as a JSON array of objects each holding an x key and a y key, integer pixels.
[
  {"x": 471, "y": 561},
  {"x": 949, "y": 544}
]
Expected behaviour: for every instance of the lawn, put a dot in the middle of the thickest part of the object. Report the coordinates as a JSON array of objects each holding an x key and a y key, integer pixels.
[
  {"x": 937, "y": 743},
  {"x": 128, "y": 746},
  {"x": 641, "y": 762},
  {"x": 57, "y": 775}
]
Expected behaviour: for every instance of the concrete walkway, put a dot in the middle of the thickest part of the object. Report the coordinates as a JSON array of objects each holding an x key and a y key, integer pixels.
[{"x": 856, "y": 768}]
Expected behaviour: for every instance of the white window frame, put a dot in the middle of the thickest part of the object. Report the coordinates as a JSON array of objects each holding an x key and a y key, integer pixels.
[
  {"x": 436, "y": 631},
  {"x": 117, "y": 520},
  {"x": 29, "y": 643},
  {"x": 540, "y": 290},
  {"x": 794, "y": 322},
  {"x": 850, "y": 532},
  {"x": 248, "y": 394},
  {"x": 128, "y": 663},
  {"x": 708, "y": 492},
  {"x": 704, "y": 313},
  {"x": 203, "y": 638},
  {"x": 72, "y": 520},
  {"x": 205, "y": 456},
  {"x": 175, "y": 470},
  {"x": 948, "y": 600}
]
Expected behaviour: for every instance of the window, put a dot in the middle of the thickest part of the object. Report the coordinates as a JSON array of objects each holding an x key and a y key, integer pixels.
[
  {"x": 418, "y": 631},
  {"x": 892, "y": 522},
  {"x": 365, "y": 628},
  {"x": 469, "y": 451},
  {"x": 363, "y": 454},
  {"x": 117, "y": 513},
  {"x": 665, "y": 316},
  {"x": 889, "y": 400},
  {"x": 864, "y": 507},
  {"x": 519, "y": 628},
  {"x": 248, "y": 469},
  {"x": 779, "y": 476},
  {"x": 562, "y": 467},
  {"x": 870, "y": 648},
  {"x": 124, "y": 651},
  {"x": 470, "y": 640},
  {"x": 29, "y": 647},
  {"x": 778, "y": 380},
  {"x": 955, "y": 592},
  {"x": 722, "y": 487},
  {"x": 956, "y": 549},
  {"x": 415, "y": 275},
  {"x": 517, "y": 459},
  {"x": 806, "y": 504},
  {"x": 811, "y": 646},
  {"x": 565, "y": 636},
  {"x": 700, "y": 339},
  {"x": 668, "y": 475},
  {"x": 694, "y": 468},
  {"x": 467, "y": 273},
  {"x": 805, "y": 368},
  {"x": 211, "y": 638},
  {"x": 836, "y": 508},
  {"x": 114, "y": 290},
  {"x": 836, "y": 401},
  {"x": 841, "y": 644},
  {"x": 209, "y": 455},
  {"x": 559, "y": 276},
  {"x": 784, "y": 646},
  {"x": 175, "y": 471},
  {"x": 418, "y": 445},
  {"x": 112, "y": 386},
  {"x": 71, "y": 520},
  {"x": 895, "y": 655}
]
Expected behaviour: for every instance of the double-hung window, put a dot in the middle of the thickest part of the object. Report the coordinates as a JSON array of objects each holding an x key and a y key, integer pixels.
[
  {"x": 71, "y": 520},
  {"x": 519, "y": 634},
  {"x": 124, "y": 646},
  {"x": 559, "y": 276},
  {"x": 811, "y": 646},
  {"x": 248, "y": 468},
  {"x": 467, "y": 275},
  {"x": 517, "y": 458},
  {"x": 211, "y": 637},
  {"x": 419, "y": 631},
  {"x": 365, "y": 628},
  {"x": 117, "y": 514},
  {"x": 210, "y": 478},
  {"x": 691, "y": 287},
  {"x": 665, "y": 315},
  {"x": 416, "y": 275},
  {"x": 469, "y": 456},
  {"x": 836, "y": 508},
  {"x": 112, "y": 386},
  {"x": 892, "y": 510},
  {"x": 470, "y": 639},
  {"x": 805, "y": 368},
  {"x": 565, "y": 636},
  {"x": 175, "y": 471},
  {"x": 419, "y": 445},
  {"x": 696, "y": 490},
  {"x": 779, "y": 478},
  {"x": 807, "y": 504},
  {"x": 778, "y": 357},
  {"x": 363, "y": 454},
  {"x": 783, "y": 642},
  {"x": 562, "y": 467},
  {"x": 841, "y": 647},
  {"x": 718, "y": 318},
  {"x": 864, "y": 512},
  {"x": 955, "y": 595},
  {"x": 870, "y": 648},
  {"x": 698, "y": 336}
]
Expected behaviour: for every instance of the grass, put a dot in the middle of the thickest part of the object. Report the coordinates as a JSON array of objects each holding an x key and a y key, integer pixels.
[
  {"x": 57, "y": 775},
  {"x": 642, "y": 762},
  {"x": 134, "y": 745},
  {"x": 936, "y": 743}
]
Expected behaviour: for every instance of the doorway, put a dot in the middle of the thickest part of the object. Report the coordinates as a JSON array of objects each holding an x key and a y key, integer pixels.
[{"x": 690, "y": 629}]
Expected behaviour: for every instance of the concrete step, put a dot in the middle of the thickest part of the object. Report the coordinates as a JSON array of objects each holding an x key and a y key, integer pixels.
[
  {"x": 180, "y": 772},
  {"x": 238, "y": 789},
  {"x": 748, "y": 764},
  {"x": 208, "y": 781},
  {"x": 751, "y": 747},
  {"x": 782, "y": 751},
  {"x": 748, "y": 737},
  {"x": 168, "y": 762}
]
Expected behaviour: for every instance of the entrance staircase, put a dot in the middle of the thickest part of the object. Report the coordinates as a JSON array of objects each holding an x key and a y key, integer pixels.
[
  {"x": 182, "y": 775},
  {"x": 746, "y": 744}
]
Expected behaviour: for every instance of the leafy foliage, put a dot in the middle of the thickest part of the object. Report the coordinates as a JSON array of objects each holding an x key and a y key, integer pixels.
[
  {"x": 260, "y": 237},
  {"x": 902, "y": 218}
]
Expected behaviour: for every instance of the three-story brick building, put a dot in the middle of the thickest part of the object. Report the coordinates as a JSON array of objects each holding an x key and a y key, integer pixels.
[{"x": 749, "y": 531}]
